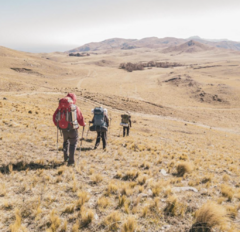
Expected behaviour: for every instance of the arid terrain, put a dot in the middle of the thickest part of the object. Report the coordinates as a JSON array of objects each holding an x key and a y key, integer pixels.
[{"x": 177, "y": 171}]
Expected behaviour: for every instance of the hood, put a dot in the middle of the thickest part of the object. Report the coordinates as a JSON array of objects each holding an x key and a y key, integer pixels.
[{"x": 73, "y": 96}]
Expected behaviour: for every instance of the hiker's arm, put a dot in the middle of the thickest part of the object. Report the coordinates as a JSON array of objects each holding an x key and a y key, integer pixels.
[
  {"x": 130, "y": 122},
  {"x": 80, "y": 118},
  {"x": 92, "y": 120},
  {"x": 54, "y": 117},
  {"x": 107, "y": 120}
]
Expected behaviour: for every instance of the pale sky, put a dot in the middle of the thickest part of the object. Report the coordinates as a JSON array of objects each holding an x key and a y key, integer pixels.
[{"x": 60, "y": 25}]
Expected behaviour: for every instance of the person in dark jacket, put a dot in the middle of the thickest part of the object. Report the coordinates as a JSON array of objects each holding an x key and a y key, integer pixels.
[
  {"x": 70, "y": 136},
  {"x": 102, "y": 135},
  {"x": 127, "y": 128}
]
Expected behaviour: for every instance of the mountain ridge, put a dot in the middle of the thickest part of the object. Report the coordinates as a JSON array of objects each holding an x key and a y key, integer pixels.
[{"x": 152, "y": 42}]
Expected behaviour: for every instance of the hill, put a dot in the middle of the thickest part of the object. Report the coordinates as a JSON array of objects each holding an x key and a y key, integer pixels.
[
  {"x": 179, "y": 165},
  {"x": 152, "y": 42},
  {"x": 189, "y": 47},
  {"x": 226, "y": 44},
  {"x": 116, "y": 43}
]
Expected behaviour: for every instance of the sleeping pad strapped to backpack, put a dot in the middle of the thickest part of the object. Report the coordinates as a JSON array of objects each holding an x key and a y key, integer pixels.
[
  {"x": 125, "y": 120},
  {"x": 66, "y": 116},
  {"x": 99, "y": 123}
]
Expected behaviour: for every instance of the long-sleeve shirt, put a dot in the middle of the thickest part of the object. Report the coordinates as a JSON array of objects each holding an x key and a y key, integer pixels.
[{"x": 130, "y": 122}]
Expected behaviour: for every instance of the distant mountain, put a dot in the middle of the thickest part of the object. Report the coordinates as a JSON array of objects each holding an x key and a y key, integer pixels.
[
  {"x": 197, "y": 38},
  {"x": 153, "y": 42},
  {"x": 189, "y": 47},
  {"x": 221, "y": 43},
  {"x": 117, "y": 43}
]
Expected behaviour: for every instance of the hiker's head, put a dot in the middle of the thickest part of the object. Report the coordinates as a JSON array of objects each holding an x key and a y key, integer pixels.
[
  {"x": 73, "y": 96},
  {"x": 105, "y": 111}
]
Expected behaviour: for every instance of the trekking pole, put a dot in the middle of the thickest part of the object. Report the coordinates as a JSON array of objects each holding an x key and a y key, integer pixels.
[
  {"x": 57, "y": 140},
  {"x": 80, "y": 147},
  {"x": 88, "y": 130},
  {"x": 110, "y": 124}
]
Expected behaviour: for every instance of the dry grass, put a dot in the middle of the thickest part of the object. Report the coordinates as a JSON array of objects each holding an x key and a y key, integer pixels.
[
  {"x": 82, "y": 198},
  {"x": 86, "y": 216},
  {"x": 123, "y": 187},
  {"x": 174, "y": 207},
  {"x": 227, "y": 191},
  {"x": 130, "y": 225},
  {"x": 102, "y": 202},
  {"x": 211, "y": 215},
  {"x": 112, "y": 221},
  {"x": 184, "y": 167},
  {"x": 17, "y": 224}
]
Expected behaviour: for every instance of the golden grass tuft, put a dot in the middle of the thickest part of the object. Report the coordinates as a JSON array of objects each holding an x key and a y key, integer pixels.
[
  {"x": 156, "y": 189},
  {"x": 86, "y": 216},
  {"x": 76, "y": 226},
  {"x": 112, "y": 189},
  {"x": 130, "y": 225},
  {"x": 55, "y": 221},
  {"x": 102, "y": 202},
  {"x": 131, "y": 175},
  {"x": 64, "y": 226},
  {"x": 121, "y": 201},
  {"x": 118, "y": 175},
  {"x": 69, "y": 209},
  {"x": 227, "y": 191},
  {"x": 3, "y": 190},
  {"x": 184, "y": 167},
  {"x": 211, "y": 215},
  {"x": 82, "y": 198},
  {"x": 112, "y": 221},
  {"x": 145, "y": 211},
  {"x": 141, "y": 179},
  {"x": 17, "y": 224},
  {"x": 232, "y": 211},
  {"x": 96, "y": 178},
  {"x": 174, "y": 207}
]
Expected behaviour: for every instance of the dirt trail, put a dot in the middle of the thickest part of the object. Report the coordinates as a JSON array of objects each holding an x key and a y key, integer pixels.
[
  {"x": 94, "y": 103},
  {"x": 89, "y": 75}
]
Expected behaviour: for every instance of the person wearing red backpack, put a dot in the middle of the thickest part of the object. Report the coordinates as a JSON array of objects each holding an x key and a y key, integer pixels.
[{"x": 67, "y": 118}]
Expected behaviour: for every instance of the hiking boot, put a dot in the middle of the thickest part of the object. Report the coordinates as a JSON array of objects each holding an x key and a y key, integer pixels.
[
  {"x": 71, "y": 164},
  {"x": 95, "y": 148},
  {"x": 66, "y": 158}
]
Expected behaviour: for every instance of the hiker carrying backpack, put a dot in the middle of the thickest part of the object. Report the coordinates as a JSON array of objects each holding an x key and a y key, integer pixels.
[
  {"x": 67, "y": 117},
  {"x": 100, "y": 125},
  {"x": 126, "y": 123}
]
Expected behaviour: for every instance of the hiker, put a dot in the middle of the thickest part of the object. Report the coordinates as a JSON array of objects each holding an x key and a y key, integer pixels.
[
  {"x": 126, "y": 123},
  {"x": 100, "y": 125},
  {"x": 67, "y": 117}
]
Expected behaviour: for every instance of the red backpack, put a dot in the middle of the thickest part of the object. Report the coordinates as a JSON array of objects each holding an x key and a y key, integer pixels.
[{"x": 67, "y": 114}]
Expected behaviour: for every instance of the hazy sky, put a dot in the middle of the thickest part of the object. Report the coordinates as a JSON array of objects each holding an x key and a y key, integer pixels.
[{"x": 60, "y": 25}]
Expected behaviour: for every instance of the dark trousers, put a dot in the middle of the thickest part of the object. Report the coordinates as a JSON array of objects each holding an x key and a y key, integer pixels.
[
  {"x": 126, "y": 128},
  {"x": 102, "y": 135},
  {"x": 69, "y": 138}
]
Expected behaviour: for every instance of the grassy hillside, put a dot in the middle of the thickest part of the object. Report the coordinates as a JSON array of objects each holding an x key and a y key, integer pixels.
[{"x": 178, "y": 168}]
